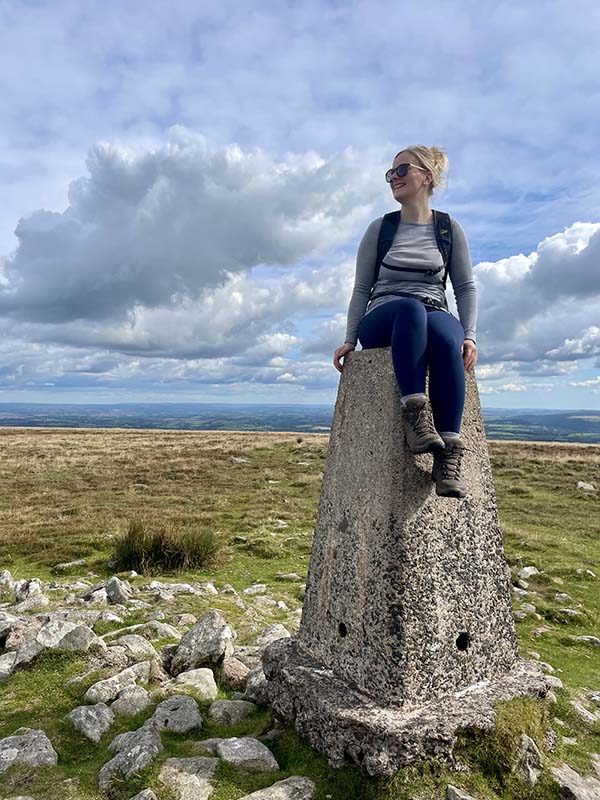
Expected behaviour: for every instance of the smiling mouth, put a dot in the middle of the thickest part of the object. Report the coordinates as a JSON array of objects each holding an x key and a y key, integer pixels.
[{"x": 399, "y": 185}]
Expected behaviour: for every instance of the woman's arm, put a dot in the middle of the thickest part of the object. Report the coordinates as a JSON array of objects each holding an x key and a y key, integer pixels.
[
  {"x": 460, "y": 270},
  {"x": 366, "y": 259}
]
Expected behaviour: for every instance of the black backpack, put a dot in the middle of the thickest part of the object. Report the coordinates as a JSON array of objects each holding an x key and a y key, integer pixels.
[{"x": 443, "y": 236}]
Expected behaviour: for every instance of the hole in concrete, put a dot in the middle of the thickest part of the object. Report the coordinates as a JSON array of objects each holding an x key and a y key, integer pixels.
[
  {"x": 342, "y": 629},
  {"x": 463, "y": 640}
]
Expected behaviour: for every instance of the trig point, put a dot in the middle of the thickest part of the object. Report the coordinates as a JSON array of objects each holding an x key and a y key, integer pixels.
[{"x": 407, "y": 632}]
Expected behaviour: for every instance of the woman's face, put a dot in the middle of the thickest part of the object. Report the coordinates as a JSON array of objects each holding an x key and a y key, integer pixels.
[{"x": 414, "y": 182}]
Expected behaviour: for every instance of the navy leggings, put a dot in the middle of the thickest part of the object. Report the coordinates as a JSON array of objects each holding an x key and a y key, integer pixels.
[{"x": 420, "y": 335}]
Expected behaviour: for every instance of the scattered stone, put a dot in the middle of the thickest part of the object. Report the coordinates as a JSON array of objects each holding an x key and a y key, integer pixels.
[
  {"x": 110, "y": 688},
  {"x": 179, "y": 713},
  {"x": 27, "y": 588},
  {"x": 585, "y": 715},
  {"x": 66, "y": 565},
  {"x": 7, "y": 664},
  {"x": 570, "y": 612},
  {"x": 256, "y": 588},
  {"x": 99, "y": 597},
  {"x": 234, "y": 673},
  {"x": 528, "y": 763},
  {"x": 554, "y": 682},
  {"x": 573, "y": 786},
  {"x": 20, "y": 631},
  {"x": 201, "y": 679},
  {"x": 271, "y": 634},
  {"x": 288, "y": 576},
  {"x": 135, "y": 750},
  {"x": 453, "y": 793},
  {"x": 568, "y": 740},
  {"x": 586, "y": 487},
  {"x": 293, "y": 788},
  {"x": 131, "y": 700},
  {"x": 581, "y": 571},
  {"x": 550, "y": 739},
  {"x": 139, "y": 647},
  {"x": 151, "y": 630},
  {"x": 541, "y": 631},
  {"x": 247, "y": 754},
  {"x": 6, "y": 580},
  {"x": 529, "y": 608},
  {"x": 257, "y": 687},
  {"x": 145, "y": 794},
  {"x": 64, "y": 635},
  {"x": 92, "y": 721},
  {"x": 32, "y": 603},
  {"x": 172, "y": 588},
  {"x": 208, "y": 744},
  {"x": 228, "y": 589},
  {"x": 207, "y": 642},
  {"x": 562, "y": 597},
  {"x": 264, "y": 600},
  {"x": 527, "y": 572},
  {"x": 189, "y": 778},
  {"x": 206, "y": 588},
  {"x": 230, "y": 712},
  {"x": 186, "y": 619},
  {"x": 590, "y": 639},
  {"x": 118, "y": 591},
  {"x": 26, "y": 746}
]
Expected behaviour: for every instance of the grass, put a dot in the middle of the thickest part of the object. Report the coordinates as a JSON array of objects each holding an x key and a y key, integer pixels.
[{"x": 251, "y": 499}]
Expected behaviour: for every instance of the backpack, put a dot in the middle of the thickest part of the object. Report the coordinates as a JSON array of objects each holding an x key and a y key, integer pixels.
[{"x": 443, "y": 236}]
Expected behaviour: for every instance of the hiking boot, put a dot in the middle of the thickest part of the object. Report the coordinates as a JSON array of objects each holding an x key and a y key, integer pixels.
[
  {"x": 421, "y": 435},
  {"x": 446, "y": 469}
]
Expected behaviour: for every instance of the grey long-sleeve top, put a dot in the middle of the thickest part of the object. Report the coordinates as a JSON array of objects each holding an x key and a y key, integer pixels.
[{"x": 414, "y": 246}]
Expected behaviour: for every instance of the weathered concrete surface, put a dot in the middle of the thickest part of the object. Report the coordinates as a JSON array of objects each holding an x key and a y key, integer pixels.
[{"x": 408, "y": 594}]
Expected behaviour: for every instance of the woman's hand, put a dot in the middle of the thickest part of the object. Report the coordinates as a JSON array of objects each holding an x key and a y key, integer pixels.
[
  {"x": 469, "y": 354},
  {"x": 340, "y": 353}
]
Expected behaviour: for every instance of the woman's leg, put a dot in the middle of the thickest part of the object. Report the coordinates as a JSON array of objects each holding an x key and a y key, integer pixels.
[
  {"x": 445, "y": 336},
  {"x": 401, "y": 323}
]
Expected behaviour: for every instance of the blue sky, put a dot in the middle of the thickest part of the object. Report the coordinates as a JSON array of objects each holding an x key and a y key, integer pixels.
[{"x": 185, "y": 190}]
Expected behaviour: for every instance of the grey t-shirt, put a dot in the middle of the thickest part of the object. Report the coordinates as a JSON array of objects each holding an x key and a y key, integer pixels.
[{"x": 414, "y": 248}]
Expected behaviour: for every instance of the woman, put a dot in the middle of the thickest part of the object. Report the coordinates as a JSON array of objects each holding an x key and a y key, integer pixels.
[{"x": 407, "y": 310}]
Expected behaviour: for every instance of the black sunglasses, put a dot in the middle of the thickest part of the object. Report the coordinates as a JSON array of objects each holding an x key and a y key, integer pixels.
[{"x": 401, "y": 170}]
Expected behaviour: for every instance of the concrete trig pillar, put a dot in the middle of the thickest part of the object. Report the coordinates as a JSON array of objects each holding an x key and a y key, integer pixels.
[{"x": 407, "y": 631}]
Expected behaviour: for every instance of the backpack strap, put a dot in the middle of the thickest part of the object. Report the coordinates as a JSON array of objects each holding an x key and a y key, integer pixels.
[
  {"x": 387, "y": 231},
  {"x": 443, "y": 236}
]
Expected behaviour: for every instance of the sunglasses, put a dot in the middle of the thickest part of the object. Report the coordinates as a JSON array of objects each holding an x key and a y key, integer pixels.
[{"x": 401, "y": 170}]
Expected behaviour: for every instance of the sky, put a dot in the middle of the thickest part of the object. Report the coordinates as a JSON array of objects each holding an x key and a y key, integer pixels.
[{"x": 184, "y": 190}]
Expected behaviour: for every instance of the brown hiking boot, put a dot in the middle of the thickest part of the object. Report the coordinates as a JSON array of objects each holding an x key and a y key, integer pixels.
[
  {"x": 421, "y": 435},
  {"x": 446, "y": 469}
]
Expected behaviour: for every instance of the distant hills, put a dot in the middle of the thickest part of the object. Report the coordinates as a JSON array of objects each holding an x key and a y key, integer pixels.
[{"x": 525, "y": 424}]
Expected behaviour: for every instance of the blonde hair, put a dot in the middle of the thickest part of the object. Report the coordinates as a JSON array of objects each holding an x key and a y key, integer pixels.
[{"x": 433, "y": 159}]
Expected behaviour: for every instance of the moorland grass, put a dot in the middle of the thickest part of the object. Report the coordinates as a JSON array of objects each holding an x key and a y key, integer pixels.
[{"x": 69, "y": 494}]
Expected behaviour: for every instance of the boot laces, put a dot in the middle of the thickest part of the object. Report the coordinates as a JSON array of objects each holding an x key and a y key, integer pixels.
[
  {"x": 420, "y": 419},
  {"x": 451, "y": 459}
]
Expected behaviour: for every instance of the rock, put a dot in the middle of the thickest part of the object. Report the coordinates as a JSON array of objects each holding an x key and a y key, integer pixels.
[
  {"x": 453, "y": 793},
  {"x": 573, "y": 786},
  {"x": 257, "y": 687},
  {"x": 293, "y": 788},
  {"x": 227, "y": 588},
  {"x": 172, "y": 588},
  {"x": 288, "y": 576},
  {"x": 64, "y": 635},
  {"x": 590, "y": 639},
  {"x": 208, "y": 744},
  {"x": 7, "y": 664},
  {"x": 179, "y": 713},
  {"x": 587, "y": 716},
  {"x": 118, "y": 591},
  {"x": 550, "y": 739},
  {"x": 264, "y": 600},
  {"x": 110, "y": 688},
  {"x": 131, "y": 700},
  {"x": 250, "y": 655},
  {"x": 234, "y": 673},
  {"x": 585, "y": 487},
  {"x": 230, "y": 712},
  {"x": 151, "y": 630},
  {"x": 581, "y": 571},
  {"x": 7, "y": 623},
  {"x": 570, "y": 612},
  {"x": 135, "y": 750},
  {"x": 31, "y": 603},
  {"x": 6, "y": 580},
  {"x": 206, "y": 588},
  {"x": 527, "y": 572},
  {"x": 208, "y": 642},
  {"x": 562, "y": 597},
  {"x": 99, "y": 597},
  {"x": 139, "y": 647},
  {"x": 21, "y": 631},
  {"x": 189, "y": 778},
  {"x": 271, "y": 634},
  {"x": 553, "y": 681},
  {"x": 26, "y": 746},
  {"x": 247, "y": 754},
  {"x": 201, "y": 679},
  {"x": 92, "y": 721},
  {"x": 27, "y": 588},
  {"x": 63, "y": 566},
  {"x": 145, "y": 794},
  {"x": 186, "y": 619},
  {"x": 529, "y": 761},
  {"x": 256, "y": 588}
]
